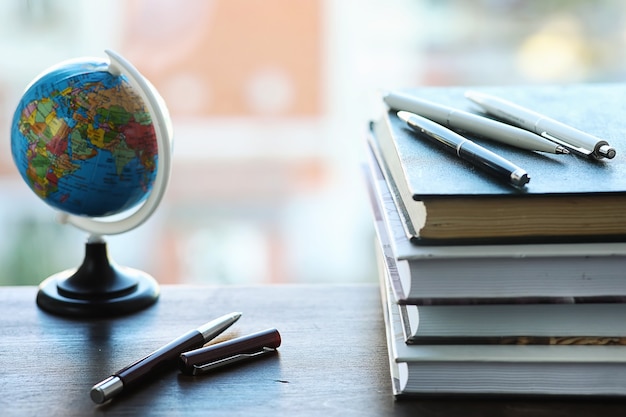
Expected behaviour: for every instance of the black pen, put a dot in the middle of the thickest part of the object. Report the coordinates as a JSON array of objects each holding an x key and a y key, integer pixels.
[
  {"x": 466, "y": 149},
  {"x": 166, "y": 355},
  {"x": 232, "y": 351}
]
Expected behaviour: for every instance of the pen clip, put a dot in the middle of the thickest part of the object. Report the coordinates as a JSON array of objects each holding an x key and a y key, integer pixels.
[
  {"x": 200, "y": 369},
  {"x": 577, "y": 149}
]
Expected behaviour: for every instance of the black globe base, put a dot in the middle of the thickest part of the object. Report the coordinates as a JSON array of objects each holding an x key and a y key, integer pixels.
[{"x": 98, "y": 288}]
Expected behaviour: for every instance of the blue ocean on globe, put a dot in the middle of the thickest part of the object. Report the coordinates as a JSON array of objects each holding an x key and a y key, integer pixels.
[{"x": 83, "y": 140}]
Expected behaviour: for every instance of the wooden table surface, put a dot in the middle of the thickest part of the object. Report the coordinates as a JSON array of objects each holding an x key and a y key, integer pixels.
[{"x": 332, "y": 361}]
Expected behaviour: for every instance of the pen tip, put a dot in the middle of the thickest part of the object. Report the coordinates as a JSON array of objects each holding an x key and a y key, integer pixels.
[
  {"x": 404, "y": 115},
  {"x": 561, "y": 150}
]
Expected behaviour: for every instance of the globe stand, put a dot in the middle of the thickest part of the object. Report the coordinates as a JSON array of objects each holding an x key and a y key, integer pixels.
[{"x": 98, "y": 288}]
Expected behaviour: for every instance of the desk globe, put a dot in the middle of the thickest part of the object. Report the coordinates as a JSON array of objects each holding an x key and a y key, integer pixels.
[{"x": 93, "y": 140}]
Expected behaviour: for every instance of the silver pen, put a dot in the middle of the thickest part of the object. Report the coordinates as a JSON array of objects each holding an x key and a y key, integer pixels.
[
  {"x": 575, "y": 140},
  {"x": 142, "y": 369},
  {"x": 466, "y": 149},
  {"x": 472, "y": 123}
]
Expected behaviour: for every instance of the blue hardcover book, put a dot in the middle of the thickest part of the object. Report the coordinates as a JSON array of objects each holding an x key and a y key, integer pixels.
[{"x": 568, "y": 199}]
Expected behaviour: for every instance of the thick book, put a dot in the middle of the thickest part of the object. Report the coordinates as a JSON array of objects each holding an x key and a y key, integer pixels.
[
  {"x": 484, "y": 274},
  {"x": 500, "y": 370},
  {"x": 508, "y": 324},
  {"x": 569, "y": 198}
]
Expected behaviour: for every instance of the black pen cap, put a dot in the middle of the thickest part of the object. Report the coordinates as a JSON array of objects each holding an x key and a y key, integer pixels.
[{"x": 248, "y": 344}]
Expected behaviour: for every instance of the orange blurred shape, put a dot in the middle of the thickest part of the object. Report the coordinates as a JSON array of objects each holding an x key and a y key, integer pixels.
[{"x": 229, "y": 57}]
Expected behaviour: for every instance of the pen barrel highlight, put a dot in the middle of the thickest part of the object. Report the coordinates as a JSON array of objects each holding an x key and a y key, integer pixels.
[
  {"x": 162, "y": 358},
  {"x": 252, "y": 343},
  {"x": 493, "y": 163},
  {"x": 436, "y": 132},
  {"x": 433, "y": 111},
  {"x": 576, "y": 140},
  {"x": 466, "y": 149},
  {"x": 460, "y": 120},
  {"x": 573, "y": 138}
]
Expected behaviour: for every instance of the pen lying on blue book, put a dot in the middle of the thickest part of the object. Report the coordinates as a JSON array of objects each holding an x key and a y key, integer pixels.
[
  {"x": 472, "y": 123},
  {"x": 466, "y": 149},
  {"x": 577, "y": 141}
]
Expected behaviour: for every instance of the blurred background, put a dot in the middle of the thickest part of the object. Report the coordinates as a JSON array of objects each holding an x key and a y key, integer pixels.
[{"x": 270, "y": 100}]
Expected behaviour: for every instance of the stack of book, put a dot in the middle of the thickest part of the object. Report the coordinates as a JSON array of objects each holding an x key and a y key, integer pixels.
[{"x": 500, "y": 290}]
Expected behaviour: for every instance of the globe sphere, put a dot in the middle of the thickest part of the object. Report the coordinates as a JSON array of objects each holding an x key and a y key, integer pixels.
[{"x": 84, "y": 141}]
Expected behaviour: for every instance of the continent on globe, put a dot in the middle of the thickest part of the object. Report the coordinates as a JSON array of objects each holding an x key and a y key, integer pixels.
[{"x": 84, "y": 141}]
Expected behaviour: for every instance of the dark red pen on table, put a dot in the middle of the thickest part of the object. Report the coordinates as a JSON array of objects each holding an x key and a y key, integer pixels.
[
  {"x": 164, "y": 356},
  {"x": 232, "y": 351}
]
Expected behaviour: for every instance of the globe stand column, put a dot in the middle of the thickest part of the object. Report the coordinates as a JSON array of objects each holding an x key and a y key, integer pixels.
[{"x": 98, "y": 288}]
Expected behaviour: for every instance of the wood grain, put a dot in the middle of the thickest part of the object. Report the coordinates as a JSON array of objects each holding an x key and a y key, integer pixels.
[{"x": 332, "y": 360}]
